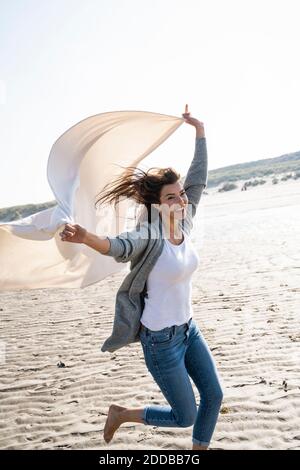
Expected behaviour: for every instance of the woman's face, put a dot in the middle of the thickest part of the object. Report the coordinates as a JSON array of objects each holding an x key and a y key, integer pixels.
[{"x": 173, "y": 200}]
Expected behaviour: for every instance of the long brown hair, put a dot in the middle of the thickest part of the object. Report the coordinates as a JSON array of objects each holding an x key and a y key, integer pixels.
[{"x": 144, "y": 187}]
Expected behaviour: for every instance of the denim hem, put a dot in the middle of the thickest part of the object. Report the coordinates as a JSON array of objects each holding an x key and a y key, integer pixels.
[
  {"x": 144, "y": 415},
  {"x": 200, "y": 443}
]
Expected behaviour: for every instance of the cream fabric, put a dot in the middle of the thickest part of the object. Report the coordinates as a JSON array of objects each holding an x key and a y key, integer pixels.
[{"x": 81, "y": 162}]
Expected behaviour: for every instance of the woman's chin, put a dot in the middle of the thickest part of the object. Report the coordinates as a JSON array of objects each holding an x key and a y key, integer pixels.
[{"x": 179, "y": 214}]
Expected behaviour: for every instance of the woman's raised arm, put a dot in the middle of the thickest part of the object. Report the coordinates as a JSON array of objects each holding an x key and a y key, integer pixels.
[{"x": 196, "y": 178}]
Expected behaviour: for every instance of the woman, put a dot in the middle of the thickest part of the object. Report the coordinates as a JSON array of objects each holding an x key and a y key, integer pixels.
[{"x": 174, "y": 347}]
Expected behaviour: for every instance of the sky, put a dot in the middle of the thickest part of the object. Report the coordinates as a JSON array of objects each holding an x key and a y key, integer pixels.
[{"x": 235, "y": 63}]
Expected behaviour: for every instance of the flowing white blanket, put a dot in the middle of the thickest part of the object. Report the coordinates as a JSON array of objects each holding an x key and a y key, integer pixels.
[{"x": 81, "y": 162}]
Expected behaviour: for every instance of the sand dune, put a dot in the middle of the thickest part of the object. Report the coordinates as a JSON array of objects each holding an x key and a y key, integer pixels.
[{"x": 246, "y": 297}]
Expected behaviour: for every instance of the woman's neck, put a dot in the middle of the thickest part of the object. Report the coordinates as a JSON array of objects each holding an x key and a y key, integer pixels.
[{"x": 172, "y": 228}]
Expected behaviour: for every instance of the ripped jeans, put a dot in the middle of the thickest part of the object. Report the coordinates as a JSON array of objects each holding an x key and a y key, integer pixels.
[{"x": 171, "y": 356}]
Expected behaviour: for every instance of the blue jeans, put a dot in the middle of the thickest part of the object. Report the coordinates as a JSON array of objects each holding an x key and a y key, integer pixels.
[{"x": 171, "y": 356}]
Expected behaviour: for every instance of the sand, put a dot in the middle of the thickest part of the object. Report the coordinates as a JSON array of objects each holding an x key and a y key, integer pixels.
[{"x": 246, "y": 300}]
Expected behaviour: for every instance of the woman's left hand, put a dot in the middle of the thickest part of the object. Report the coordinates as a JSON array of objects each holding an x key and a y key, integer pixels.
[{"x": 193, "y": 122}]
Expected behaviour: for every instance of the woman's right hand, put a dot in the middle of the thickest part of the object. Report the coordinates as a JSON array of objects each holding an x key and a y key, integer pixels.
[
  {"x": 199, "y": 126},
  {"x": 73, "y": 233}
]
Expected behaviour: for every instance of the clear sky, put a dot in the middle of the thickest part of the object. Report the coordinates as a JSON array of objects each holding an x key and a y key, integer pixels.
[{"x": 235, "y": 62}]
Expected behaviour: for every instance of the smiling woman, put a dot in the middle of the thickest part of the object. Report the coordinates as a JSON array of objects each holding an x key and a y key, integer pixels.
[{"x": 154, "y": 304}]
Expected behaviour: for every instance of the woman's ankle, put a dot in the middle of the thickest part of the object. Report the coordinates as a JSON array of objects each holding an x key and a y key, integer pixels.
[
  {"x": 132, "y": 415},
  {"x": 198, "y": 447}
]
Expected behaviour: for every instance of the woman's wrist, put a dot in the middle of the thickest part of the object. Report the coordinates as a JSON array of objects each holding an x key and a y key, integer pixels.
[
  {"x": 200, "y": 132},
  {"x": 85, "y": 238},
  {"x": 98, "y": 243}
]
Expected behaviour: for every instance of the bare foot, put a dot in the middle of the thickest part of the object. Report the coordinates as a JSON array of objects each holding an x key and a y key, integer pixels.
[{"x": 113, "y": 422}]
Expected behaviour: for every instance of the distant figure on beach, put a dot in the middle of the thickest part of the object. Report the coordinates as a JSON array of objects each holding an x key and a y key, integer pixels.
[{"x": 155, "y": 297}]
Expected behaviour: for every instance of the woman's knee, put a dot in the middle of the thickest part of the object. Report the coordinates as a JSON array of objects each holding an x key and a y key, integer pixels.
[
  {"x": 187, "y": 421},
  {"x": 214, "y": 394},
  {"x": 187, "y": 418},
  {"x": 218, "y": 394}
]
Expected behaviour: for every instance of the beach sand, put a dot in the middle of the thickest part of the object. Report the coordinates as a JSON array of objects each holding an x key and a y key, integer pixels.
[{"x": 246, "y": 301}]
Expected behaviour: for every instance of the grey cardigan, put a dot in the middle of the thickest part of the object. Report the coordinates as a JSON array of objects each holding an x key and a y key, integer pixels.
[{"x": 142, "y": 247}]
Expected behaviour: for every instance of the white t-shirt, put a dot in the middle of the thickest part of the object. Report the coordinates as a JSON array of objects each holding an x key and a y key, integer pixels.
[{"x": 169, "y": 286}]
